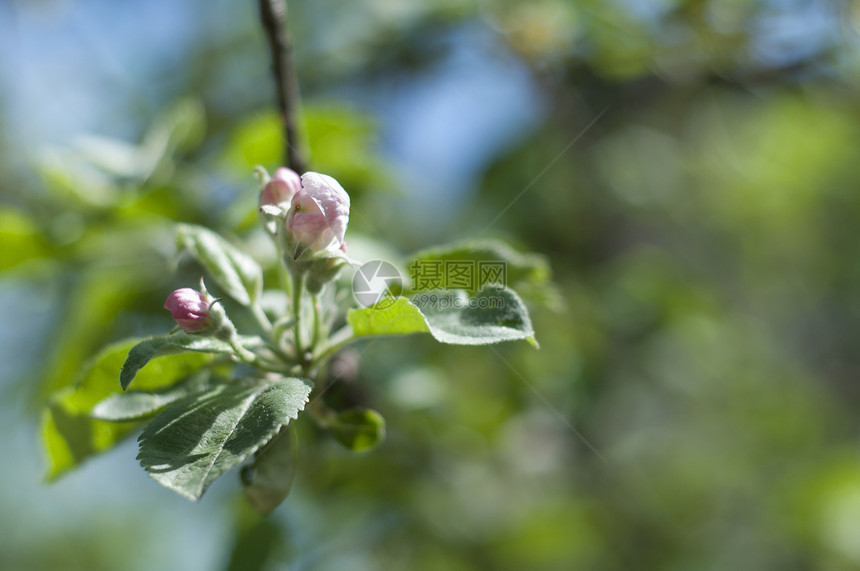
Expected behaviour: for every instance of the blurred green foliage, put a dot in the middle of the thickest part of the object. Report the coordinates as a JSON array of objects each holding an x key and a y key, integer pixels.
[
  {"x": 693, "y": 406},
  {"x": 70, "y": 435}
]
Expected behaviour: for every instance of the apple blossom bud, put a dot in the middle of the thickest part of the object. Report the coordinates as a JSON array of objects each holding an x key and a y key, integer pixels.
[
  {"x": 281, "y": 188},
  {"x": 190, "y": 309},
  {"x": 318, "y": 214}
]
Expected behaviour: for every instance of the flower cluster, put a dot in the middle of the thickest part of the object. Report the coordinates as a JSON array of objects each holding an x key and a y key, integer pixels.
[
  {"x": 258, "y": 381},
  {"x": 307, "y": 217}
]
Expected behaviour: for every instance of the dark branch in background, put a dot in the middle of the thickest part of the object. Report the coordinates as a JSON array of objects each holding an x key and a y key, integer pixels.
[{"x": 273, "y": 14}]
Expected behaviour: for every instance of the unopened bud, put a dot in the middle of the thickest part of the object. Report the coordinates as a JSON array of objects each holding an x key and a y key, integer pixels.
[
  {"x": 190, "y": 309},
  {"x": 281, "y": 188},
  {"x": 318, "y": 214}
]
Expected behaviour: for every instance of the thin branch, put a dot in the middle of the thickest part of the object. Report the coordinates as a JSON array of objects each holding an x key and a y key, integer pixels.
[{"x": 273, "y": 14}]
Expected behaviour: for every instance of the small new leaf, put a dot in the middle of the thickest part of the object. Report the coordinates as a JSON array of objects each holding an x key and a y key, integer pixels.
[
  {"x": 149, "y": 348},
  {"x": 198, "y": 438},
  {"x": 358, "y": 429},
  {"x": 141, "y": 405},
  {"x": 134, "y": 405}
]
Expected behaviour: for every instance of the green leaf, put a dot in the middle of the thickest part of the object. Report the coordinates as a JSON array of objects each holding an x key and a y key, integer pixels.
[
  {"x": 135, "y": 405},
  {"x": 400, "y": 318},
  {"x": 493, "y": 315},
  {"x": 114, "y": 157},
  {"x": 96, "y": 299},
  {"x": 70, "y": 435},
  {"x": 73, "y": 181},
  {"x": 180, "y": 127},
  {"x": 470, "y": 265},
  {"x": 234, "y": 271},
  {"x": 20, "y": 239},
  {"x": 268, "y": 480},
  {"x": 256, "y": 142},
  {"x": 341, "y": 141},
  {"x": 140, "y": 405},
  {"x": 358, "y": 429},
  {"x": 143, "y": 352},
  {"x": 198, "y": 438}
]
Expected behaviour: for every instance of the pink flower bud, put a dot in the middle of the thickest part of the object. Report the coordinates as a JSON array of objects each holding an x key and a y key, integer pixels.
[
  {"x": 319, "y": 213},
  {"x": 283, "y": 186},
  {"x": 190, "y": 309}
]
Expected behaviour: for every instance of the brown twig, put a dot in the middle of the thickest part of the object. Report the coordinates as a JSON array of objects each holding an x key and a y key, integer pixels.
[{"x": 273, "y": 14}]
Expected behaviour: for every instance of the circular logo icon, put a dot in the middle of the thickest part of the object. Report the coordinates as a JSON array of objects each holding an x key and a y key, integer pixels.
[{"x": 373, "y": 283}]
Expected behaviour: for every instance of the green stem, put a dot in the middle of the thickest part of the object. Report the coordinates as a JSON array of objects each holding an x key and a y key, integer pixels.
[
  {"x": 270, "y": 367},
  {"x": 279, "y": 333},
  {"x": 261, "y": 318},
  {"x": 317, "y": 322},
  {"x": 245, "y": 355},
  {"x": 274, "y": 360},
  {"x": 298, "y": 288},
  {"x": 339, "y": 339},
  {"x": 273, "y": 332}
]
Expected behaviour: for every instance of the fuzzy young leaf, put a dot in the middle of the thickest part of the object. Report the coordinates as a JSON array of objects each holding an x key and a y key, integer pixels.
[
  {"x": 493, "y": 315},
  {"x": 358, "y": 429},
  {"x": 147, "y": 349},
  {"x": 198, "y": 438},
  {"x": 134, "y": 405},
  {"x": 141, "y": 405},
  {"x": 70, "y": 435},
  {"x": 237, "y": 273}
]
